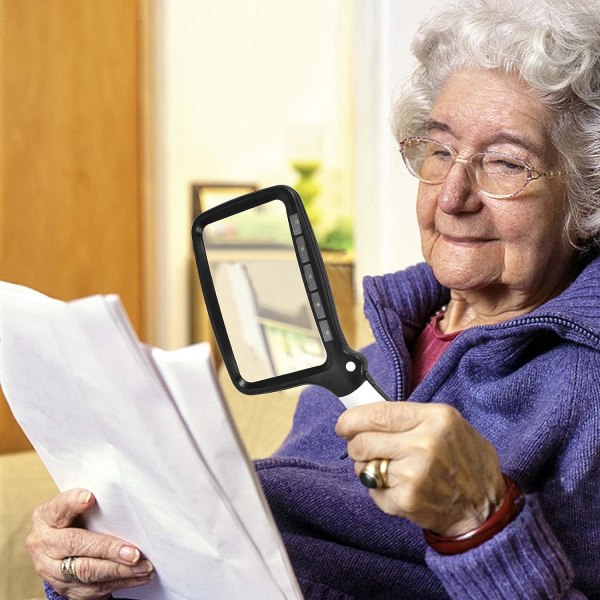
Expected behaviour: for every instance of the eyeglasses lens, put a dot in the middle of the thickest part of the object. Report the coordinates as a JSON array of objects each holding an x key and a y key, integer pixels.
[
  {"x": 494, "y": 173},
  {"x": 428, "y": 161}
]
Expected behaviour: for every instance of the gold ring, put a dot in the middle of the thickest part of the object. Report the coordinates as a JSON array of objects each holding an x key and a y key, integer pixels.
[{"x": 375, "y": 473}]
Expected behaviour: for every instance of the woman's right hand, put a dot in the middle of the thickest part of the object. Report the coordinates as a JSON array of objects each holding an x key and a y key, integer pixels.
[{"x": 104, "y": 563}]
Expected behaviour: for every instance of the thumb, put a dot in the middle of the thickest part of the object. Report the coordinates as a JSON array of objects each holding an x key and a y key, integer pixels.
[{"x": 62, "y": 510}]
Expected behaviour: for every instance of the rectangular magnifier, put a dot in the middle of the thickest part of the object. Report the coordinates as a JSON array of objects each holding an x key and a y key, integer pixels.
[{"x": 269, "y": 301}]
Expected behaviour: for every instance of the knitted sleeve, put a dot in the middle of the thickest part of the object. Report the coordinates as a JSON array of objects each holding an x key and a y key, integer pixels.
[
  {"x": 51, "y": 594},
  {"x": 525, "y": 560}
]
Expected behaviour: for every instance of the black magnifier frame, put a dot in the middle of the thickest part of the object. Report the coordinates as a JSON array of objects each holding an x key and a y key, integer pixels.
[{"x": 344, "y": 369}]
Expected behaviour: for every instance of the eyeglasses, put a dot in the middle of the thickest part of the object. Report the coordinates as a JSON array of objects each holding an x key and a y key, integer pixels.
[{"x": 494, "y": 174}]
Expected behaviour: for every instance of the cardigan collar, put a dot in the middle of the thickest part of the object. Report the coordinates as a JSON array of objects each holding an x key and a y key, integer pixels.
[{"x": 401, "y": 303}]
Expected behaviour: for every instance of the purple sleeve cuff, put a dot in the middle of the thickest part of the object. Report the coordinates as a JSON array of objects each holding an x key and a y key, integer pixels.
[
  {"x": 524, "y": 560},
  {"x": 51, "y": 594}
]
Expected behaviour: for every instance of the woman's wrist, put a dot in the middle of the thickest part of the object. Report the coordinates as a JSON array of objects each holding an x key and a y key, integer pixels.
[{"x": 507, "y": 512}]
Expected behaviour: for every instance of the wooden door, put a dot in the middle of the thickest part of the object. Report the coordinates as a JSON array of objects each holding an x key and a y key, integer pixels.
[{"x": 70, "y": 216}]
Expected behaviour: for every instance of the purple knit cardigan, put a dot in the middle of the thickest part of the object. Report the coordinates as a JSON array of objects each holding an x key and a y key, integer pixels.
[{"x": 529, "y": 385}]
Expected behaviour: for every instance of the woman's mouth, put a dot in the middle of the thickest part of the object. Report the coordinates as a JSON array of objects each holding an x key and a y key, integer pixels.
[{"x": 465, "y": 240}]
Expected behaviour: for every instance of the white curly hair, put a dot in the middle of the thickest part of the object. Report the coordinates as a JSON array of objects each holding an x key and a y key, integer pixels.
[{"x": 554, "y": 46}]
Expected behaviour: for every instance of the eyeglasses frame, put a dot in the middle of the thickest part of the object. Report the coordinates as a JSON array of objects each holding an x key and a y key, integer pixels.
[{"x": 532, "y": 173}]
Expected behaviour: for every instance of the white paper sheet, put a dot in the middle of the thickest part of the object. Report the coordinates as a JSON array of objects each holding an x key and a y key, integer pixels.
[{"x": 148, "y": 432}]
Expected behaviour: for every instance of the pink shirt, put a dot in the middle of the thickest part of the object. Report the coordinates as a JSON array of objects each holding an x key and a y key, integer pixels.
[{"x": 428, "y": 347}]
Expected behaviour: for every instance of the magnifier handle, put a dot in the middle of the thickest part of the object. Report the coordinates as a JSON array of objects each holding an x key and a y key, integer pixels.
[{"x": 366, "y": 393}]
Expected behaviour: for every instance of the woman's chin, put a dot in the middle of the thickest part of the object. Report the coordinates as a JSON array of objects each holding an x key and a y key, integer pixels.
[{"x": 464, "y": 278}]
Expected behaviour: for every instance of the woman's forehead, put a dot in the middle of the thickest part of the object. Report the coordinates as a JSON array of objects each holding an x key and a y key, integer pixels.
[{"x": 488, "y": 106}]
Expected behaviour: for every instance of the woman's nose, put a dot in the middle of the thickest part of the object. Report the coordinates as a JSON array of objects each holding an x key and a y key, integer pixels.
[{"x": 457, "y": 193}]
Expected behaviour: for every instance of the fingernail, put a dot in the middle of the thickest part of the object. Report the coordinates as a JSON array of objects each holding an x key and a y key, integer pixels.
[
  {"x": 85, "y": 497},
  {"x": 144, "y": 567},
  {"x": 129, "y": 554},
  {"x": 147, "y": 577}
]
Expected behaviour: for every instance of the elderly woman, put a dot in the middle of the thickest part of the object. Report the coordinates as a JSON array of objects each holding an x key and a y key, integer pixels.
[{"x": 490, "y": 484}]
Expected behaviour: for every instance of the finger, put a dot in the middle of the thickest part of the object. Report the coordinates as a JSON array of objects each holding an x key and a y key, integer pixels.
[
  {"x": 366, "y": 446},
  {"x": 48, "y": 540},
  {"x": 380, "y": 416},
  {"x": 104, "y": 589},
  {"x": 88, "y": 568},
  {"x": 63, "y": 509},
  {"x": 394, "y": 417},
  {"x": 95, "y": 570},
  {"x": 411, "y": 470},
  {"x": 81, "y": 542}
]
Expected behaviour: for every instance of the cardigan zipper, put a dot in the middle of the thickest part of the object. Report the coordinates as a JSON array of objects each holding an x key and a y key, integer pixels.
[{"x": 390, "y": 346}]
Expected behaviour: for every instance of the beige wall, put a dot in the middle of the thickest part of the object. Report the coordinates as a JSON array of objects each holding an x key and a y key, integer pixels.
[
  {"x": 387, "y": 236},
  {"x": 232, "y": 78}
]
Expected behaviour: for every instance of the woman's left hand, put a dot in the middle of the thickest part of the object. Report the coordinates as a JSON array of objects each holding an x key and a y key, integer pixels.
[{"x": 443, "y": 475}]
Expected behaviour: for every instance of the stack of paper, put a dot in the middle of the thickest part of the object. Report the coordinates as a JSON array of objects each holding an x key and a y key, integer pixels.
[{"x": 148, "y": 432}]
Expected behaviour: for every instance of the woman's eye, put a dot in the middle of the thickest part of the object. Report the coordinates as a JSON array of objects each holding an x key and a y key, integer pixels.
[
  {"x": 502, "y": 166},
  {"x": 441, "y": 154}
]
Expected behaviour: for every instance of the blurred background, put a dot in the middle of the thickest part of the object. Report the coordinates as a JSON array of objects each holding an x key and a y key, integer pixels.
[{"x": 120, "y": 119}]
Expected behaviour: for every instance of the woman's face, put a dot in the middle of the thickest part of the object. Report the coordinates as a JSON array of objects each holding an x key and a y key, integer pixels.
[{"x": 485, "y": 245}]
